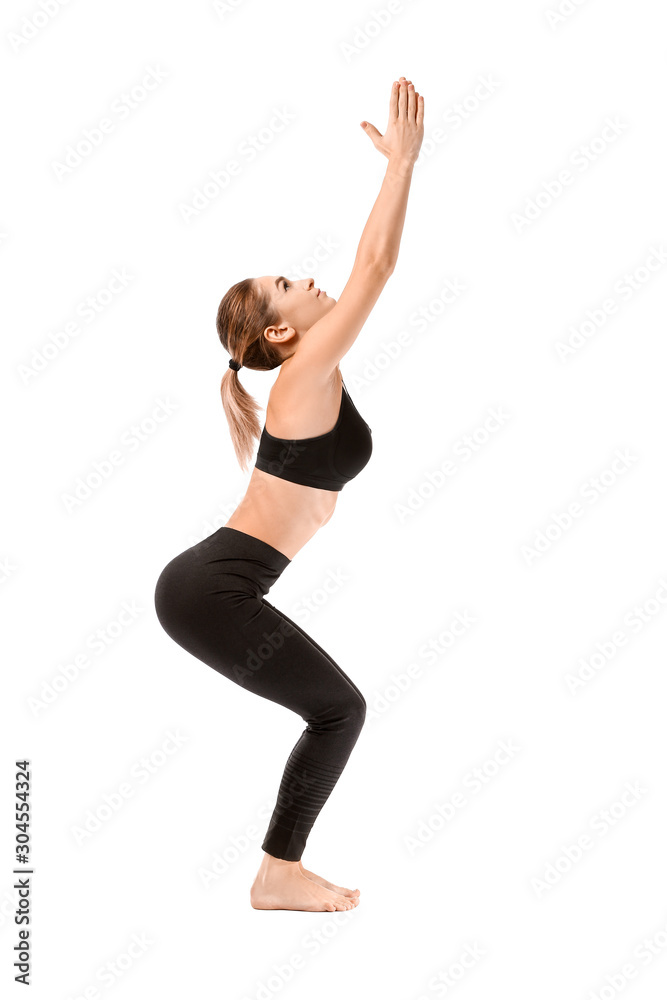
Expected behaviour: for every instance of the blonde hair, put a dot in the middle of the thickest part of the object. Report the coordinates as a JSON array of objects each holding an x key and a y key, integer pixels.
[{"x": 243, "y": 314}]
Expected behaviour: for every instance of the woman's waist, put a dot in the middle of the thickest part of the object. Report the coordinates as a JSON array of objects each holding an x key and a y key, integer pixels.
[
  {"x": 284, "y": 514},
  {"x": 280, "y": 498}
]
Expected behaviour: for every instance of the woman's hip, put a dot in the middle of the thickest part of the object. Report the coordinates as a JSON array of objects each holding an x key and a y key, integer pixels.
[{"x": 225, "y": 574}]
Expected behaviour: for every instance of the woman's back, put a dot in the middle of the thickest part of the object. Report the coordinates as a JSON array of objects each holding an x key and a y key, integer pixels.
[{"x": 314, "y": 447}]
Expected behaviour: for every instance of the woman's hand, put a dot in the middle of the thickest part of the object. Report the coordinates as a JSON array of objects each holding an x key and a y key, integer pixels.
[{"x": 405, "y": 129}]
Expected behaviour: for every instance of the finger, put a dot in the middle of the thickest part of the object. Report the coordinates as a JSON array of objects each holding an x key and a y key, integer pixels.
[
  {"x": 420, "y": 111},
  {"x": 402, "y": 99},
  {"x": 372, "y": 132},
  {"x": 393, "y": 101},
  {"x": 412, "y": 102}
]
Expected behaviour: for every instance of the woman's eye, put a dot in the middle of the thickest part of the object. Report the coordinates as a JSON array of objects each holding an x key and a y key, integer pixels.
[{"x": 285, "y": 283}]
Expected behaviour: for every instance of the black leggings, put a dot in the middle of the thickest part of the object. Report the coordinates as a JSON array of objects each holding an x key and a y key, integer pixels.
[{"x": 211, "y": 600}]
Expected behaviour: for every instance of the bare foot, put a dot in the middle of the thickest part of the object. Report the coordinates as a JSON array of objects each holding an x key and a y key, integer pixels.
[
  {"x": 328, "y": 885},
  {"x": 280, "y": 885}
]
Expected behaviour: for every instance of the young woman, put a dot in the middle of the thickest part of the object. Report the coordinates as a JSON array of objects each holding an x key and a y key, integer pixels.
[{"x": 211, "y": 598}]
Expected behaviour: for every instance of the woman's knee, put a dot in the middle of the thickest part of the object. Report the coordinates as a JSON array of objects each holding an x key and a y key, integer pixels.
[
  {"x": 354, "y": 706},
  {"x": 345, "y": 710}
]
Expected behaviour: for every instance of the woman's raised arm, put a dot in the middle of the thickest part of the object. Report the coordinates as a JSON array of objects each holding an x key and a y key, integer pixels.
[{"x": 332, "y": 336}]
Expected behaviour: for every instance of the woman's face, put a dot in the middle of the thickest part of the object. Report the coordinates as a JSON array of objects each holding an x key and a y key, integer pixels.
[{"x": 298, "y": 303}]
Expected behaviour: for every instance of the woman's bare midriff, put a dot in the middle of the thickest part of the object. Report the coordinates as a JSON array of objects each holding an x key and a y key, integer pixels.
[{"x": 284, "y": 514}]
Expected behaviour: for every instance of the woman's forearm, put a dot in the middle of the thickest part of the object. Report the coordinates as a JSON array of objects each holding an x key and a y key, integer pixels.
[{"x": 382, "y": 233}]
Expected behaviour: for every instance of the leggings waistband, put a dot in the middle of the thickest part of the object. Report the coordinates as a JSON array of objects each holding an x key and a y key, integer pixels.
[
  {"x": 234, "y": 537},
  {"x": 231, "y": 553}
]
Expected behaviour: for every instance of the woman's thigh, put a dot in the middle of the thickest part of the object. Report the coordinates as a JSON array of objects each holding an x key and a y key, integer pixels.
[
  {"x": 310, "y": 639},
  {"x": 252, "y": 643}
]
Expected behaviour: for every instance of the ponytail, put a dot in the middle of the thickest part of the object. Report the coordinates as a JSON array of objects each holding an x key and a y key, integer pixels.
[
  {"x": 243, "y": 315},
  {"x": 241, "y": 410}
]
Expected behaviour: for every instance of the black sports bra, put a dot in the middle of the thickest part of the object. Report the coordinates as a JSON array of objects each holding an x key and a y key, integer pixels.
[{"x": 326, "y": 461}]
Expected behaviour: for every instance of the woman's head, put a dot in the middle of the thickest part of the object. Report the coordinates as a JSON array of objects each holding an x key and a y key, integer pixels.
[
  {"x": 260, "y": 322},
  {"x": 299, "y": 305}
]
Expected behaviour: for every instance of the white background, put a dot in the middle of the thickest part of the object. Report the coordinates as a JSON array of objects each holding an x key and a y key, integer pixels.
[{"x": 412, "y": 555}]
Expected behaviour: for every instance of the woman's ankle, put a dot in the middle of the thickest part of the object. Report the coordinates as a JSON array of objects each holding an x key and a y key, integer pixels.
[{"x": 269, "y": 861}]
